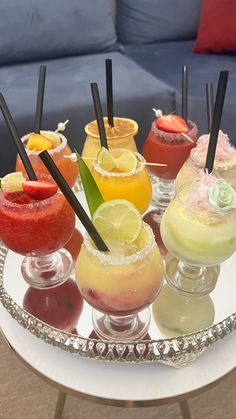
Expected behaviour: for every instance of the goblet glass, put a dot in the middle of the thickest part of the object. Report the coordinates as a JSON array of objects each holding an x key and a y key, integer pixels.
[
  {"x": 135, "y": 186},
  {"x": 38, "y": 230},
  {"x": 224, "y": 163},
  {"x": 120, "y": 285},
  {"x": 198, "y": 236},
  {"x": 67, "y": 167},
  {"x": 171, "y": 149}
]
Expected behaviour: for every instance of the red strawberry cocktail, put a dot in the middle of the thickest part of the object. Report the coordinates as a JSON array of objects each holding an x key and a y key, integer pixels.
[
  {"x": 170, "y": 141},
  {"x": 36, "y": 221}
]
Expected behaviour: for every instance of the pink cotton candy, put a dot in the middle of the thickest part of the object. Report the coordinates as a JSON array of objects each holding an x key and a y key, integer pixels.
[
  {"x": 224, "y": 150},
  {"x": 198, "y": 199}
]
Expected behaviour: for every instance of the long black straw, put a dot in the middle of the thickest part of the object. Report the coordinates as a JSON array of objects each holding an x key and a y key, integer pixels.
[
  {"x": 109, "y": 86},
  {"x": 210, "y": 104},
  {"x": 99, "y": 115},
  {"x": 217, "y": 114},
  {"x": 184, "y": 111},
  {"x": 73, "y": 201},
  {"x": 16, "y": 138},
  {"x": 40, "y": 98}
]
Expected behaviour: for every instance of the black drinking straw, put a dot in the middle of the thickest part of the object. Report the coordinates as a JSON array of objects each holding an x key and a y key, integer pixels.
[
  {"x": 109, "y": 86},
  {"x": 210, "y": 104},
  {"x": 40, "y": 97},
  {"x": 73, "y": 201},
  {"x": 16, "y": 138},
  {"x": 99, "y": 115},
  {"x": 217, "y": 114},
  {"x": 184, "y": 111}
]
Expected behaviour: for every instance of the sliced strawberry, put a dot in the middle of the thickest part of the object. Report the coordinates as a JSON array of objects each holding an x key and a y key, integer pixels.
[
  {"x": 39, "y": 189},
  {"x": 172, "y": 123}
]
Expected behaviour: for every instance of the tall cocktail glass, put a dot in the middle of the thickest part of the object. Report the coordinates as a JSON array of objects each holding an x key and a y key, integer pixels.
[{"x": 120, "y": 285}]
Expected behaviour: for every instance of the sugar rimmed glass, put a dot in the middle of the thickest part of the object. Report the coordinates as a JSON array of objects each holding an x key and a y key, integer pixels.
[
  {"x": 38, "y": 231},
  {"x": 171, "y": 149},
  {"x": 120, "y": 288},
  {"x": 197, "y": 241},
  {"x": 135, "y": 186},
  {"x": 67, "y": 167}
]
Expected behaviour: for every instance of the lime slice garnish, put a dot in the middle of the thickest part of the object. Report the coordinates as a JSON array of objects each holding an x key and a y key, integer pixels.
[
  {"x": 118, "y": 220},
  {"x": 106, "y": 160},
  {"x": 126, "y": 162},
  {"x": 12, "y": 182},
  {"x": 53, "y": 137}
]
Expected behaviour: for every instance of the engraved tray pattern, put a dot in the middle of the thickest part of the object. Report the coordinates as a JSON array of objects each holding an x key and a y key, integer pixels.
[{"x": 174, "y": 352}]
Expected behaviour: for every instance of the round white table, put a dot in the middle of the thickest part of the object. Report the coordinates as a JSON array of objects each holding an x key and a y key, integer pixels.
[{"x": 116, "y": 383}]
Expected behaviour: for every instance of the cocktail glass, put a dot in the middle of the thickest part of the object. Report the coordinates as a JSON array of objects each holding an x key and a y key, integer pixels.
[
  {"x": 67, "y": 167},
  {"x": 198, "y": 238},
  {"x": 224, "y": 163},
  {"x": 135, "y": 186},
  {"x": 38, "y": 230},
  {"x": 119, "y": 136},
  {"x": 171, "y": 149},
  {"x": 120, "y": 285}
]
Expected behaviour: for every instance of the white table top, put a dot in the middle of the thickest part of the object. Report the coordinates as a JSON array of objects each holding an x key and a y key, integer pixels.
[{"x": 118, "y": 382}]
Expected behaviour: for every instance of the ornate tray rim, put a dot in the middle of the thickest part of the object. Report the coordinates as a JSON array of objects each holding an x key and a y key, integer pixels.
[{"x": 176, "y": 352}]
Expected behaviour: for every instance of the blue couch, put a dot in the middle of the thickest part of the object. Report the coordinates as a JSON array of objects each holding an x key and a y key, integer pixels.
[{"x": 147, "y": 44}]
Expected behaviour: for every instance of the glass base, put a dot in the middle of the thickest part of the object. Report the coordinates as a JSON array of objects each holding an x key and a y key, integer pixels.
[
  {"x": 121, "y": 328},
  {"x": 47, "y": 271},
  {"x": 200, "y": 280},
  {"x": 163, "y": 193}
]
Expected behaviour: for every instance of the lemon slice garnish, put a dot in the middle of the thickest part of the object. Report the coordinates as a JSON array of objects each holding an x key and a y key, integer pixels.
[
  {"x": 118, "y": 220},
  {"x": 106, "y": 160},
  {"x": 126, "y": 162},
  {"x": 12, "y": 182}
]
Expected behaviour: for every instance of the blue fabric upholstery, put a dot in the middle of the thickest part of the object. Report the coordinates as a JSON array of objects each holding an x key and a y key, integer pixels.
[
  {"x": 40, "y": 29},
  {"x": 165, "y": 61},
  {"x": 68, "y": 96},
  {"x": 147, "y": 21}
]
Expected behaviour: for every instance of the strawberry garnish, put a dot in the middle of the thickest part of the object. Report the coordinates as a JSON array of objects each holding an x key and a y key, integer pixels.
[
  {"x": 172, "y": 123},
  {"x": 39, "y": 190}
]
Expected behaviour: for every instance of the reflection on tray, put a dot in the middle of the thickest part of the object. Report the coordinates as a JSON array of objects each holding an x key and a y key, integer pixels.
[
  {"x": 59, "y": 307},
  {"x": 177, "y": 313}
]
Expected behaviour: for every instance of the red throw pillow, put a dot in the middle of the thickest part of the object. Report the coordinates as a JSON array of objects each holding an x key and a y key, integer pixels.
[{"x": 217, "y": 29}]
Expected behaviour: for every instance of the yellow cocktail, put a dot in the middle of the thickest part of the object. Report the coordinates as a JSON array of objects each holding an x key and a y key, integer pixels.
[
  {"x": 121, "y": 283},
  {"x": 119, "y": 136},
  {"x": 119, "y": 183}
]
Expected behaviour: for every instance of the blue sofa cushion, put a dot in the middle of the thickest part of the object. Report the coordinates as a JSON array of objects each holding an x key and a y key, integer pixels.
[
  {"x": 40, "y": 29},
  {"x": 147, "y": 21},
  {"x": 165, "y": 60},
  {"x": 68, "y": 96}
]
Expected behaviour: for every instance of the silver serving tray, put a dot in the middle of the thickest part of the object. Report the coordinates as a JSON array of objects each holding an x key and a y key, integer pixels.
[{"x": 176, "y": 351}]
